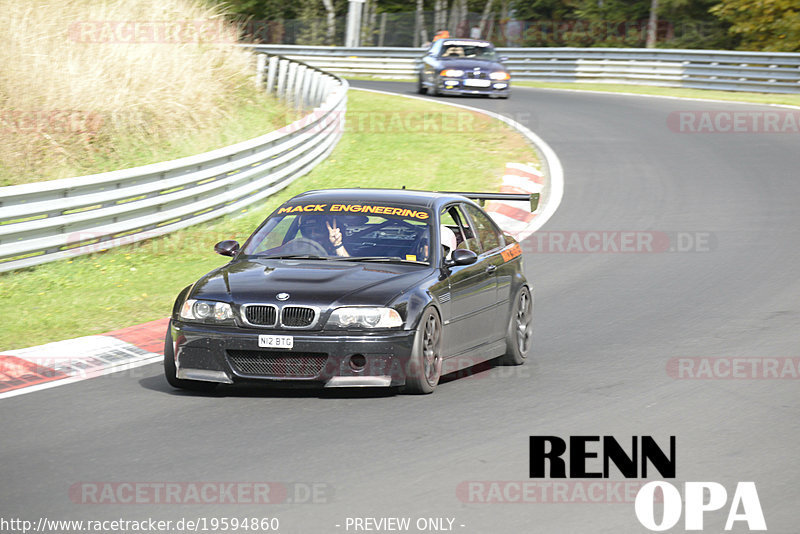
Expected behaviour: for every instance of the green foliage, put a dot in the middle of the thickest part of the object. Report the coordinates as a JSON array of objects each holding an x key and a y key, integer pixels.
[
  {"x": 618, "y": 23},
  {"x": 543, "y": 10},
  {"x": 772, "y": 25}
]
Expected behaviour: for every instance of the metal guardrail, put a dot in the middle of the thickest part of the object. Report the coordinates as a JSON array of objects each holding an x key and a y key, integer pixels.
[
  {"x": 47, "y": 221},
  {"x": 766, "y": 72}
]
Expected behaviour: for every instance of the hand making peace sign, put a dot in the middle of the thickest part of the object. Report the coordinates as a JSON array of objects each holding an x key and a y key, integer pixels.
[{"x": 334, "y": 233}]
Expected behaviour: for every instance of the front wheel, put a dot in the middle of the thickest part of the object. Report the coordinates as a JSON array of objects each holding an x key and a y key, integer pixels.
[
  {"x": 434, "y": 89},
  {"x": 519, "y": 335},
  {"x": 425, "y": 365},
  {"x": 421, "y": 87},
  {"x": 170, "y": 371}
]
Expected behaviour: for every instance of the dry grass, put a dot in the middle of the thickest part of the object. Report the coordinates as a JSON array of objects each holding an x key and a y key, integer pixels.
[{"x": 73, "y": 93}]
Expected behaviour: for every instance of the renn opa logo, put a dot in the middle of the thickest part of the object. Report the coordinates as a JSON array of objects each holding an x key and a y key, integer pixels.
[{"x": 592, "y": 457}]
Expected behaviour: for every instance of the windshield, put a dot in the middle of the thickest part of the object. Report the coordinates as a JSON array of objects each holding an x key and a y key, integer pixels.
[
  {"x": 348, "y": 232},
  {"x": 469, "y": 50}
]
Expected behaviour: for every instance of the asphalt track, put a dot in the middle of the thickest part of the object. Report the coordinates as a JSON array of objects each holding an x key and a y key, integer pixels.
[{"x": 607, "y": 324}]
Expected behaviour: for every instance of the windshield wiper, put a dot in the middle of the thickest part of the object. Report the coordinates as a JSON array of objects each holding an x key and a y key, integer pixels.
[
  {"x": 292, "y": 256},
  {"x": 379, "y": 259}
]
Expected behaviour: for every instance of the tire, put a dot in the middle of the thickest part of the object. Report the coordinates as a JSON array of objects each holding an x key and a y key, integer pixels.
[
  {"x": 421, "y": 89},
  {"x": 425, "y": 364},
  {"x": 520, "y": 329},
  {"x": 170, "y": 372},
  {"x": 434, "y": 90}
]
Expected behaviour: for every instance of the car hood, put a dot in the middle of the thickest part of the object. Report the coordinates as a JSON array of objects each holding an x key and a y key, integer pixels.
[
  {"x": 467, "y": 64},
  {"x": 325, "y": 284}
]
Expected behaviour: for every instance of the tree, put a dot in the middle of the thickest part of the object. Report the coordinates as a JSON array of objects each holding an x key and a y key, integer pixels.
[
  {"x": 419, "y": 23},
  {"x": 330, "y": 11},
  {"x": 772, "y": 25},
  {"x": 484, "y": 24},
  {"x": 689, "y": 24},
  {"x": 652, "y": 32}
]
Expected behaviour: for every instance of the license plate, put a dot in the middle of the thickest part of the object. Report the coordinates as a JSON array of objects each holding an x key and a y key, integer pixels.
[
  {"x": 477, "y": 83},
  {"x": 275, "y": 342}
]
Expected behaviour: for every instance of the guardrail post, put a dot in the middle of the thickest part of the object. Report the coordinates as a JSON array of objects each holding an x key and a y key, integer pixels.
[
  {"x": 261, "y": 62},
  {"x": 299, "y": 86},
  {"x": 313, "y": 101},
  {"x": 271, "y": 72},
  {"x": 291, "y": 79},
  {"x": 283, "y": 66},
  {"x": 320, "y": 96},
  {"x": 309, "y": 81}
]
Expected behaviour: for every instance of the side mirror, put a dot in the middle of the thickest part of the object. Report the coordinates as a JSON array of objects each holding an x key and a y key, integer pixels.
[
  {"x": 228, "y": 247},
  {"x": 461, "y": 256},
  {"x": 503, "y": 58}
]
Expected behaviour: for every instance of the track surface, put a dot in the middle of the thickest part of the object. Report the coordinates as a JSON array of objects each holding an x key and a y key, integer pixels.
[{"x": 607, "y": 324}]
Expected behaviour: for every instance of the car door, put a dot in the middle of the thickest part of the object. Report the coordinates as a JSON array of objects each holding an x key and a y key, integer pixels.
[
  {"x": 492, "y": 242},
  {"x": 473, "y": 289}
]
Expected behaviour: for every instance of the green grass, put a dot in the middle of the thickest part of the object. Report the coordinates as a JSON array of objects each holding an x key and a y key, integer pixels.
[
  {"x": 253, "y": 114},
  {"x": 758, "y": 98},
  {"x": 130, "y": 285}
]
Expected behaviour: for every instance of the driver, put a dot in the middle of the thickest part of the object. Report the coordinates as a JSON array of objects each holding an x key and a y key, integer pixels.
[
  {"x": 449, "y": 240},
  {"x": 325, "y": 231}
]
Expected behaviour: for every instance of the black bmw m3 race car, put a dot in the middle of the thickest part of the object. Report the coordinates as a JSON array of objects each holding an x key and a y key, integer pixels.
[
  {"x": 356, "y": 287},
  {"x": 463, "y": 67}
]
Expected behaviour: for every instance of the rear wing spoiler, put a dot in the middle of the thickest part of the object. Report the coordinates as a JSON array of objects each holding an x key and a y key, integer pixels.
[{"x": 533, "y": 198}]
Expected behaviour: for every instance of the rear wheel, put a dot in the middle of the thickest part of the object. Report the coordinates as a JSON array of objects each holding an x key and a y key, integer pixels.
[
  {"x": 170, "y": 371},
  {"x": 519, "y": 335},
  {"x": 425, "y": 365}
]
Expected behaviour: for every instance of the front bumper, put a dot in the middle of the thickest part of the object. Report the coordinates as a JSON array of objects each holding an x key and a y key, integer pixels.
[
  {"x": 458, "y": 86},
  {"x": 317, "y": 359}
]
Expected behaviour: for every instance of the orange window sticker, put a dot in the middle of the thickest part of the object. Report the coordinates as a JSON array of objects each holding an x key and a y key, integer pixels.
[
  {"x": 356, "y": 208},
  {"x": 512, "y": 252}
]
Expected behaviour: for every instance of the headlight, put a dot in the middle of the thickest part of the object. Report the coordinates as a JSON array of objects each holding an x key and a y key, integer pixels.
[
  {"x": 452, "y": 73},
  {"x": 500, "y": 75},
  {"x": 365, "y": 318},
  {"x": 207, "y": 311}
]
